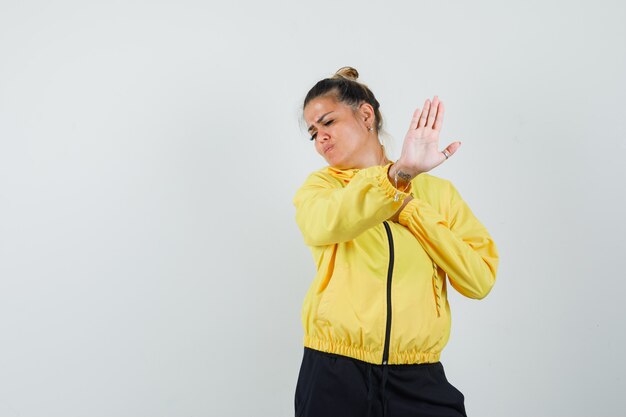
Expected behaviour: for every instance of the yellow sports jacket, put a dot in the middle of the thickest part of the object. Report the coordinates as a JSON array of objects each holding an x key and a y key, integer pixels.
[{"x": 380, "y": 292}]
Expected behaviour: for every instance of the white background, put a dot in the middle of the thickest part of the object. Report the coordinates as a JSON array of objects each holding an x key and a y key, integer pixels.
[{"x": 150, "y": 263}]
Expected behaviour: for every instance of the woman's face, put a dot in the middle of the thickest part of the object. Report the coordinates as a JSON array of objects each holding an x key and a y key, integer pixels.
[{"x": 340, "y": 134}]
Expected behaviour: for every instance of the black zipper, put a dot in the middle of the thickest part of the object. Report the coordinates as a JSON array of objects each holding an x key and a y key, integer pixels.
[{"x": 389, "y": 273}]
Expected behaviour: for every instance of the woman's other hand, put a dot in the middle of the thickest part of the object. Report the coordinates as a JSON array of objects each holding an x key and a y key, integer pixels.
[{"x": 420, "y": 150}]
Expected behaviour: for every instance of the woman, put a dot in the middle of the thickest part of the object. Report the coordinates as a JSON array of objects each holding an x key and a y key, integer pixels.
[{"x": 384, "y": 236}]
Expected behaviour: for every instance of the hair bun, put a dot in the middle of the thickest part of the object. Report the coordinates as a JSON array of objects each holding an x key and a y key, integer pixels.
[{"x": 347, "y": 72}]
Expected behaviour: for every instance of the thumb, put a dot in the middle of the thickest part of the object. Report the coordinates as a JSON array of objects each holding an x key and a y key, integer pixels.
[{"x": 453, "y": 147}]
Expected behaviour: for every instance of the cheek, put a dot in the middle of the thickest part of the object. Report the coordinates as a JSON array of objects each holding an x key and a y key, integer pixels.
[{"x": 348, "y": 132}]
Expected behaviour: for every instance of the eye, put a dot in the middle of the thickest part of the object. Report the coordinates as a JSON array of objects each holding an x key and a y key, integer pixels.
[{"x": 328, "y": 123}]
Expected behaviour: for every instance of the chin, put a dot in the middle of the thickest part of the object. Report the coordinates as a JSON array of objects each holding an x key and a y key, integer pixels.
[{"x": 333, "y": 162}]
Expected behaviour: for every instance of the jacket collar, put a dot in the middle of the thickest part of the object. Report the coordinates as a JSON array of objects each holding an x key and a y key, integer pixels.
[{"x": 345, "y": 175}]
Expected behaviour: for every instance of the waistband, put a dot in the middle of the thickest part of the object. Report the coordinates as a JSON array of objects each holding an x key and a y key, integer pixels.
[{"x": 372, "y": 357}]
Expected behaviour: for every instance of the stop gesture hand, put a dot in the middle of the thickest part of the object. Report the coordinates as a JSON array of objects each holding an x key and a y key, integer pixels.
[{"x": 420, "y": 150}]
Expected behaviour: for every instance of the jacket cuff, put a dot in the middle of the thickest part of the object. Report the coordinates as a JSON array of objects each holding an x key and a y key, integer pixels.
[
  {"x": 389, "y": 188},
  {"x": 425, "y": 210}
]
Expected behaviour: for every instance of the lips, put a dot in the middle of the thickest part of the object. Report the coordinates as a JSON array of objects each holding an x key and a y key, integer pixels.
[{"x": 328, "y": 148}]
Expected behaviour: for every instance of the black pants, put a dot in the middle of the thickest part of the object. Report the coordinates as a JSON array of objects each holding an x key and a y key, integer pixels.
[{"x": 332, "y": 385}]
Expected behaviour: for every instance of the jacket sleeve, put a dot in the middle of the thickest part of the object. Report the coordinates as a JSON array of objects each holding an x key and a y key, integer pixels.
[
  {"x": 461, "y": 246},
  {"x": 328, "y": 213}
]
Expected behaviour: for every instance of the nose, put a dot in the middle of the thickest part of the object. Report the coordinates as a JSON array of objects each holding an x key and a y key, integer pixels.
[{"x": 322, "y": 135}]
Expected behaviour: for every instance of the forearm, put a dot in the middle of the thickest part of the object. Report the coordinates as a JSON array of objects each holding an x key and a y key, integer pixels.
[
  {"x": 329, "y": 214},
  {"x": 461, "y": 247}
]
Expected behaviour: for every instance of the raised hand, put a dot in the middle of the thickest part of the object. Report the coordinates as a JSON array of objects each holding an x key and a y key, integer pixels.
[{"x": 420, "y": 150}]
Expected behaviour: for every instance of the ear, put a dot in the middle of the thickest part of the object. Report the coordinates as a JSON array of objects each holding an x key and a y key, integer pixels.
[{"x": 367, "y": 115}]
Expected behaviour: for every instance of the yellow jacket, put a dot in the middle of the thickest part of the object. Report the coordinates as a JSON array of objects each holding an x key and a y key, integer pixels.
[{"x": 379, "y": 294}]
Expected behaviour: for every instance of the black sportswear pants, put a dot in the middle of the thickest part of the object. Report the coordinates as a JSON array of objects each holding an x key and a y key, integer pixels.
[{"x": 331, "y": 385}]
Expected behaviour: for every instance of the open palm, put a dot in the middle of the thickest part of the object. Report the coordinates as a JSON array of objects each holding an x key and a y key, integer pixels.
[{"x": 420, "y": 150}]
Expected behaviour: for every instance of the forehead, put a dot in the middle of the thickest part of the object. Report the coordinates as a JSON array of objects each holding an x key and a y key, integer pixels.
[{"x": 320, "y": 106}]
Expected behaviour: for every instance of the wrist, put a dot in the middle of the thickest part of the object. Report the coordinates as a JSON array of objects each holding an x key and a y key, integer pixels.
[
  {"x": 403, "y": 172},
  {"x": 400, "y": 180}
]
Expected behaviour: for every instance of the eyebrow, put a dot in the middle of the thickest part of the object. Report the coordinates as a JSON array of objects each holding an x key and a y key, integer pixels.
[{"x": 319, "y": 120}]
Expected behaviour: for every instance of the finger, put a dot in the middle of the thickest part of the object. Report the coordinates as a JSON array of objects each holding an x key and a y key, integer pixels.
[
  {"x": 451, "y": 149},
  {"x": 415, "y": 119},
  {"x": 424, "y": 115},
  {"x": 439, "y": 119},
  {"x": 433, "y": 112}
]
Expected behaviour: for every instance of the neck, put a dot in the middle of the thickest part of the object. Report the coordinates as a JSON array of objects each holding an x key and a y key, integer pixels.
[{"x": 374, "y": 155}]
